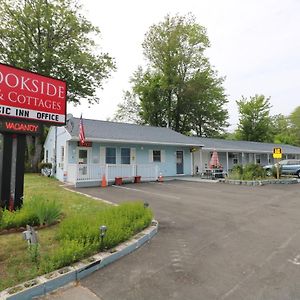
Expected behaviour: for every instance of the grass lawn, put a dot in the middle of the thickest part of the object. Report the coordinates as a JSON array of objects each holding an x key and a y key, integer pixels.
[{"x": 15, "y": 262}]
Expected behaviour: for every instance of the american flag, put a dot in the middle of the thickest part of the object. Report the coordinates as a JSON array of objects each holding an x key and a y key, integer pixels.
[{"x": 81, "y": 132}]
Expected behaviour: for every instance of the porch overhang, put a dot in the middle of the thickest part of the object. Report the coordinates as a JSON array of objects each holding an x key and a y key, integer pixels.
[{"x": 120, "y": 141}]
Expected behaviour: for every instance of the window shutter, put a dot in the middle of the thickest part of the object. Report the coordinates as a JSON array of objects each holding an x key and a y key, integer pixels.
[
  {"x": 133, "y": 156},
  {"x": 102, "y": 156},
  {"x": 150, "y": 155},
  {"x": 163, "y": 156}
]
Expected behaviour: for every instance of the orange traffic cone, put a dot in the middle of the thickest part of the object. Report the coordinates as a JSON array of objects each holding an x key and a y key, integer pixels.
[{"x": 103, "y": 182}]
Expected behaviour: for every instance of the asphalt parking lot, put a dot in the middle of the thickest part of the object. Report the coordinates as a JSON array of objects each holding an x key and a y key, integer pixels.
[{"x": 215, "y": 241}]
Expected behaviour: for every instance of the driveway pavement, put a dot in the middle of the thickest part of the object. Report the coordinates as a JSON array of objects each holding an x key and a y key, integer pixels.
[{"x": 215, "y": 241}]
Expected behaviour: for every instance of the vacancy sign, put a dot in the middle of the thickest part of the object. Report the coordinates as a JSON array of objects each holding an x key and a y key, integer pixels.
[
  {"x": 277, "y": 153},
  {"x": 23, "y": 127},
  {"x": 30, "y": 96}
]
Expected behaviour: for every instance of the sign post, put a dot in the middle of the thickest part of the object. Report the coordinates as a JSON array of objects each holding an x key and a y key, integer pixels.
[
  {"x": 277, "y": 155},
  {"x": 27, "y": 101}
]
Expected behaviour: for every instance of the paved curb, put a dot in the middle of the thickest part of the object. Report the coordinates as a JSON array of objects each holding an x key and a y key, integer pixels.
[
  {"x": 49, "y": 282},
  {"x": 260, "y": 182}
]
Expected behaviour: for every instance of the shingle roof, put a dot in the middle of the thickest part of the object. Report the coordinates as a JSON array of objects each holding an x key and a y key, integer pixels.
[
  {"x": 244, "y": 146},
  {"x": 96, "y": 130}
]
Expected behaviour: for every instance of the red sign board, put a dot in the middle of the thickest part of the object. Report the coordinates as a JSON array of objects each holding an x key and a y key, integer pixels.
[
  {"x": 85, "y": 144},
  {"x": 23, "y": 127},
  {"x": 30, "y": 96}
]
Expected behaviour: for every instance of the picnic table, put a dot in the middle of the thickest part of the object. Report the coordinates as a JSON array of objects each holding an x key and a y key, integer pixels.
[{"x": 212, "y": 173}]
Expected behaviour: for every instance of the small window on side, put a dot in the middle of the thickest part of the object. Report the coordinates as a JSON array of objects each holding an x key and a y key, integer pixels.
[
  {"x": 156, "y": 155},
  {"x": 125, "y": 156},
  {"x": 110, "y": 155}
]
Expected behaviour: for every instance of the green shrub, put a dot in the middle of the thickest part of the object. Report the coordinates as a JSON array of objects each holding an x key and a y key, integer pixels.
[
  {"x": 69, "y": 252},
  {"x": 253, "y": 171},
  {"x": 236, "y": 172},
  {"x": 35, "y": 211},
  {"x": 18, "y": 218},
  {"x": 79, "y": 235},
  {"x": 48, "y": 212},
  {"x": 248, "y": 172},
  {"x": 122, "y": 222}
]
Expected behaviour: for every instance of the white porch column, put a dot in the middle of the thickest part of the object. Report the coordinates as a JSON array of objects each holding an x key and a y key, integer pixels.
[
  {"x": 268, "y": 158},
  {"x": 66, "y": 161},
  {"x": 200, "y": 168},
  {"x": 227, "y": 162},
  {"x": 254, "y": 157},
  {"x": 106, "y": 173},
  {"x": 192, "y": 164}
]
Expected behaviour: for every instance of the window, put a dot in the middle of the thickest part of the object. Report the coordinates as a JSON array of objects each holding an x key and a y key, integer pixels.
[
  {"x": 235, "y": 158},
  {"x": 156, "y": 156},
  {"x": 293, "y": 162},
  {"x": 82, "y": 156},
  {"x": 110, "y": 156},
  {"x": 258, "y": 159},
  {"x": 125, "y": 156}
]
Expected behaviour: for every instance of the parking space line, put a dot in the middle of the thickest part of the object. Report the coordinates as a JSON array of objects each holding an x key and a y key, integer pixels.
[
  {"x": 146, "y": 192},
  {"x": 89, "y": 196}
]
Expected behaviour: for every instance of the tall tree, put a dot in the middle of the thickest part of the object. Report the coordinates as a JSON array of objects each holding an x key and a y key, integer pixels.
[
  {"x": 282, "y": 130},
  {"x": 295, "y": 124},
  {"x": 177, "y": 77},
  {"x": 206, "y": 104},
  {"x": 254, "y": 120},
  {"x": 53, "y": 38},
  {"x": 129, "y": 110}
]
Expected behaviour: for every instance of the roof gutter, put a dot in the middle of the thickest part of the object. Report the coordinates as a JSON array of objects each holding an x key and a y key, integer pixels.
[
  {"x": 138, "y": 142},
  {"x": 245, "y": 151}
]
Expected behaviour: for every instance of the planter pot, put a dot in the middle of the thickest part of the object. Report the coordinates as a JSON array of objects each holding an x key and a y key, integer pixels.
[
  {"x": 137, "y": 179},
  {"x": 118, "y": 181}
]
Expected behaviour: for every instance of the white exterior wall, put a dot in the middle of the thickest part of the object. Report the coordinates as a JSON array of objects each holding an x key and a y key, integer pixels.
[
  {"x": 61, "y": 138},
  {"x": 49, "y": 146},
  {"x": 61, "y": 162}
]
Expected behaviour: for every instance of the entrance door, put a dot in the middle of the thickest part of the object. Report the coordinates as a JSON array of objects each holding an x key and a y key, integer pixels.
[
  {"x": 82, "y": 160},
  {"x": 179, "y": 162}
]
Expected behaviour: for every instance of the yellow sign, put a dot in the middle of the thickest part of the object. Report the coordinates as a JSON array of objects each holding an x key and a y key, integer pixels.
[{"x": 277, "y": 153}]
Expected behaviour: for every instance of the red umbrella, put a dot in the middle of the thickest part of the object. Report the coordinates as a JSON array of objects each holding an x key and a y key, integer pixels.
[{"x": 214, "y": 160}]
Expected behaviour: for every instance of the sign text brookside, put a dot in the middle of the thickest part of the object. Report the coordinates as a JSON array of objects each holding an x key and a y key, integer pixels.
[{"x": 30, "y": 96}]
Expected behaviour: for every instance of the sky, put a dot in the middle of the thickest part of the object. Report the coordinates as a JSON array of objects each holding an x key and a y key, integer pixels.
[{"x": 255, "y": 44}]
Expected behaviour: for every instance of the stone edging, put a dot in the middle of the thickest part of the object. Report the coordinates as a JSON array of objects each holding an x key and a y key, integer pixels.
[
  {"x": 259, "y": 182},
  {"x": 52, "y": 281}
]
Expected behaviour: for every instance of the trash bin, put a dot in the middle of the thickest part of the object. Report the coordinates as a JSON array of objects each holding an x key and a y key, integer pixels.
[{"x": 137, "y": 179}]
